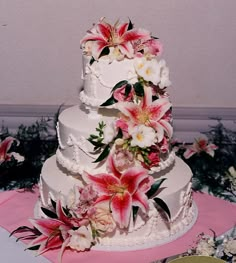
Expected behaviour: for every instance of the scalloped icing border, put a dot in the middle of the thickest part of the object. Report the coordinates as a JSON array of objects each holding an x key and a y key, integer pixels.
[
  {"x": 89, "y": 101},
  {"x": 153, "y": 240},
  {"x": 141, "y": 242},
  {"x": 76, "y": 168}
]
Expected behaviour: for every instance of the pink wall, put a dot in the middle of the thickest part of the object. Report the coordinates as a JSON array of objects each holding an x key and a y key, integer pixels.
[{"x": 40, "y": 57}]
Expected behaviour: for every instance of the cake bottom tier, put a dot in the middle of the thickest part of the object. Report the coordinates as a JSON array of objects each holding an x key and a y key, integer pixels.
[{"x": 148, "y": 230}]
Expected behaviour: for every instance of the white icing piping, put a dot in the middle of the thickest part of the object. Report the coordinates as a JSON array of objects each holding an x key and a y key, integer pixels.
[
  {"x": 97, "y": 74},
  {"x": 69, "y": 165},
  {"x": 78, "y": 167},
  {"x": 78, "y": 144},
  {"x": 156, "y": 236},
  {"x": 164, "y": 164},
  {"x": 59, "y": 137},
  {"x": 184, "y": 202},
  {"x": 90, "y": 101}
]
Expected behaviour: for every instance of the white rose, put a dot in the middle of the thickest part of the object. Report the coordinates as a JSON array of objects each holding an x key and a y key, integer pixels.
[
  {"x": 149, "y": 70},
  {"x": 230, "y": 247},
  {"x": 102, "y": 220},
  {"x": 164, "y": 75},
  {"x": 205, "y": 249},
  {"x": 109, "y": 133},
  {"x": 81, "y": 238},
  {"x": 72, "y": 199},
  {"x": 142, "y": 136}
]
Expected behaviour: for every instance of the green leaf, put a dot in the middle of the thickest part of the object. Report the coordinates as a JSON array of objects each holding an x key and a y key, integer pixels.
[
  {"x": 53, "y": 204},
  {"x": 119, "y": 85},
  {"x": 91, "y": 61},
  {"x": 92, "y": 136},
  {"x": 49, "y": 213},
  {"x": 119, "y": 134},
  {"x": 22, "y": 229},
  {"x": 131, "y": 25},
  {"x": 109, "y": 102},
  {"x": 138, "y": 88},
  {"x": 154, "y": 98},
  {"x": 96, "y": 143},
  {"x": 36, "y": 247},
  {"x": 162, "y": 205},
  {"x": 127, "y": 90},
  {"x": 135, "y": 212},
  {"x": 104, "y": 52},
  {"x": 104, "y": 154},
  {"x": 155, "y": 187}
]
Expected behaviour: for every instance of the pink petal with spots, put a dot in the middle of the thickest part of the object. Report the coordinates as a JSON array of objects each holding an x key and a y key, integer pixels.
[{"x": 121, "y": 208}]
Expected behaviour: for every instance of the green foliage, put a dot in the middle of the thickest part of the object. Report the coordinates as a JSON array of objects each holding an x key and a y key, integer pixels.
[
  {"x": 210, "y": 173},
  {"x": 36, "y": 144},
  {"x": 161, "y": 204},
  {"x": 154, "y": 188},
  {"x": 139, "y": 90}
]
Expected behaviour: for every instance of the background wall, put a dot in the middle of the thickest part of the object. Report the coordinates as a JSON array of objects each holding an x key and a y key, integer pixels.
[{"x": 40, "y": 56}]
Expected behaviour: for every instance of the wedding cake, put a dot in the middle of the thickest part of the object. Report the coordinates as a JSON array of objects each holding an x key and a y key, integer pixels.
[{"x": 115, "y": 183}]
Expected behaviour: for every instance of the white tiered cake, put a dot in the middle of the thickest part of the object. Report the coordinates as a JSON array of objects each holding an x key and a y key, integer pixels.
[{"x": 114, "y": 170}]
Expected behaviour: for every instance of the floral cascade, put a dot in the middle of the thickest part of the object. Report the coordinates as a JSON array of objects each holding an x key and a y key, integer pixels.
[
  {"x": 142, "y": 131},
  {"x": 130, "y": 147},
  {"x": 107, "y": 202}
]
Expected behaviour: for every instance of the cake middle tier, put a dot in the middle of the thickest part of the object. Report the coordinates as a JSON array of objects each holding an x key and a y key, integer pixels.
[{"x": 75, "y": 152}]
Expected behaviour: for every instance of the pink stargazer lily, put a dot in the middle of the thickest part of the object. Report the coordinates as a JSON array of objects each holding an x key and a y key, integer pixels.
[
  {"x": 200, "y": 145},
  {"x": 122, "y": 190},
  {"x": 117, "y": 35},
  {"x": 150, "y": 113},
  {"x": 5, "y": 145},
  {"x": 54, "y": 231}
]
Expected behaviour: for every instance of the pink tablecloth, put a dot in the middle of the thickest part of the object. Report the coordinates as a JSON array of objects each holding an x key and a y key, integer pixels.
[{"x": 219, "y": 215}]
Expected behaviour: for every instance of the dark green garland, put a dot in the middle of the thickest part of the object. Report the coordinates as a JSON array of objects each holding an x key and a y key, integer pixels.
[
  {"x": 210, "y": 173},
  {"x": 36, "y": 144}
]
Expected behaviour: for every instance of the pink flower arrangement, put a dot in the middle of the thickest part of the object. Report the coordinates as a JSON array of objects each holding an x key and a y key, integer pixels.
[
  {"x": 122, "y": 190},
  {"x": 143, "y": 125},
  {"x": 120, "y": 94},
  {"x": 200, "y": 145},
  {"x": 153, "y": 159},
  {"x": 75, "y": 225},
  {"x": 148, "y": 112},
  {"x": 121, "y": 38},
  {"x": 5, "y": 146},
  {"x": 105, "y": 203}
]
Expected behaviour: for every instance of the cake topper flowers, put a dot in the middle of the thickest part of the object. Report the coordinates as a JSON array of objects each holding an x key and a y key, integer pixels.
[{"x": 119, "y": 40}]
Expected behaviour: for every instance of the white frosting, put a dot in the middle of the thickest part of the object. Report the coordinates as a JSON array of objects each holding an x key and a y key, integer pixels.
[
  {"x": 75, "y": 152},
  {"x": 100, "y": 77},
  {"x": 151, "y": 229}
]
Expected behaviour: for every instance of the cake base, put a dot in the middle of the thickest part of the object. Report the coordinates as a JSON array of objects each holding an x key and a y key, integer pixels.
[
  {"x": 149, "y": 243},
  {"x": 149, "y": 230},
  {"x": 152, "y": 243}
]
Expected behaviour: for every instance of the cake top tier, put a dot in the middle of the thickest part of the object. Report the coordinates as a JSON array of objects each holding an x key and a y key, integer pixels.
[
  {"x": 120, "y": 54},
  {"x": 119, "y": 41}
]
